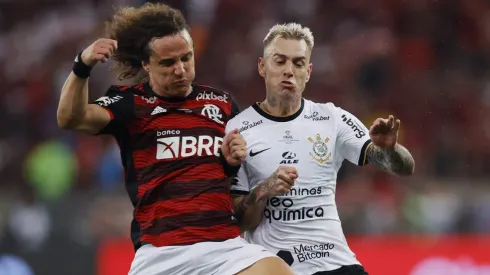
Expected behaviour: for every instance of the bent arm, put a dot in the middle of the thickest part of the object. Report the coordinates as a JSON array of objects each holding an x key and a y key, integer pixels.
[
  {"x": 397, "y": 161},
  {"x": 249, "y": 208},
  {"x": 74, "y": 111}
]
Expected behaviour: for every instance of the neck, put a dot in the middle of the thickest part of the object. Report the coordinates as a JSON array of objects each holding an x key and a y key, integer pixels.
[
  {"x": 169, "y": 93},
  {"x": 281, "y": 107}
]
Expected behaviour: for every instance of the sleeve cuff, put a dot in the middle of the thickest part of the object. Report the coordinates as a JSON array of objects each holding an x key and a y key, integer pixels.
[
  {"x": 363, "y": 157},
  {"x": 111, "y": 114},
  {"x": 239, "y": 192}
]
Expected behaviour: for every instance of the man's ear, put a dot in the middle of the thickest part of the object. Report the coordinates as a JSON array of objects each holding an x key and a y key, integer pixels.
[{"x": 260, "y": 66}]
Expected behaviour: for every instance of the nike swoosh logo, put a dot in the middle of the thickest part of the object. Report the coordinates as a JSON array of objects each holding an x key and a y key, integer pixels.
[{"x": 258, "y": 152}]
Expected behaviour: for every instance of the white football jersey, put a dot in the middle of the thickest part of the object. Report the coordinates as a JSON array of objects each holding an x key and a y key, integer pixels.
[{"x": 303, "y": 226}]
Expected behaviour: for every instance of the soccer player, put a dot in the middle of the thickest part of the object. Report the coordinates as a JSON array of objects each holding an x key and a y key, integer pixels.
[
  {"x": 303, "y": 144},
  {"x": 177, "y": 160}
]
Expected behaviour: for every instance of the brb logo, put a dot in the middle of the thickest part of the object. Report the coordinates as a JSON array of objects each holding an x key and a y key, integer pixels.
[
  {"x": 358, "y": 129},
  {"x": 186, "y": 146}
]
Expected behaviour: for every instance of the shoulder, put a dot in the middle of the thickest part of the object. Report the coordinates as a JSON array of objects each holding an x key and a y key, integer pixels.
[
  {"x": 245, "y": 120},
  {"x": 127, "y": 94},
  {"x": 320, "y": 111}
]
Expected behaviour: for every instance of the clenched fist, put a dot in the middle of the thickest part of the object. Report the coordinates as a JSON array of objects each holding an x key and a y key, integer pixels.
[
  {"x": 100, "y": 51},
  {"x": 234, "y": 148},
  {"x": 280, "y": 182}
]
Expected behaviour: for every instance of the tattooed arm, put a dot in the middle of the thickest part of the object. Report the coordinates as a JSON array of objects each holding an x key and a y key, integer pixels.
[
  {"x": 397, "y": 161},
  {"x": 249, "y": 209}
]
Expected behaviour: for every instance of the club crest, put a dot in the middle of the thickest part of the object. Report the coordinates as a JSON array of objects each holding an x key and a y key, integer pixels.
[{"x": 320, "y": 152}]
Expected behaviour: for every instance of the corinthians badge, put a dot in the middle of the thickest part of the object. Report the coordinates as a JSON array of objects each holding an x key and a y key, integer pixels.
[{"x": 320, "y": 150}]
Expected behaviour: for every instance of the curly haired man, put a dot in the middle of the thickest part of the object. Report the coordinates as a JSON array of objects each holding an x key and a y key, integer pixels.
[{"x": 178, "y": 162}]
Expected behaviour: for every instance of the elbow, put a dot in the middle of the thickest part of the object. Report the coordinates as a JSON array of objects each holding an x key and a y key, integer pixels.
[
  {"x": 65, "y": 122},
  {"x": 249, "y": 225},
  {"x": 408, "y": 169}
]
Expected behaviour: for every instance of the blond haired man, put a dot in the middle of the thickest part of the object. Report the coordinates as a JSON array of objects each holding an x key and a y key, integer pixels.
[{"x": 303, "y": 144}]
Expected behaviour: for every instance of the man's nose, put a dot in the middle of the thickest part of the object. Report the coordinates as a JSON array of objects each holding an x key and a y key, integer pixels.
[
  {"x": 288, "y": 70},
  {"x": 179, "y": 68}
]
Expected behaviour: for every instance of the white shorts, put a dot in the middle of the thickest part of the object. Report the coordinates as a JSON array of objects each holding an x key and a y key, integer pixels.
[{"x": 207, "y": 258}]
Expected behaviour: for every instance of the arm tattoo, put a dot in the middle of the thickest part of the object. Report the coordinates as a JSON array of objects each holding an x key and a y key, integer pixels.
[
  {"x": 249, "y": 200},
  {"x": 256, "y": 198},
  {"x": 398, "y": 161}
]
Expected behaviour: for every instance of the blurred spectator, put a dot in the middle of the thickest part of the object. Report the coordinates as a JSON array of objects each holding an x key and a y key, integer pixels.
[
  {"x": 427, "y": 62},
  {"x": 12, "y": 265}
]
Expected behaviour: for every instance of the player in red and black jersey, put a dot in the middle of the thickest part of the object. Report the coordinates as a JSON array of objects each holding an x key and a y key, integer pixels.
[
  {"x": 177, "y": 160},
  {"x": 171, "y": 155}
]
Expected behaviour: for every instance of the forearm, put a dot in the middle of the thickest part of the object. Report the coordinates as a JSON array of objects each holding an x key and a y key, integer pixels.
[
  {"x": 73, "y": 101},
  {"x": 249, "y": 209},
  {"x": 397, "y": 161}
]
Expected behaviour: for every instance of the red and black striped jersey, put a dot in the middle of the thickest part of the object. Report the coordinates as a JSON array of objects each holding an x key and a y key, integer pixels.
[{"x": 175, "y": 176}]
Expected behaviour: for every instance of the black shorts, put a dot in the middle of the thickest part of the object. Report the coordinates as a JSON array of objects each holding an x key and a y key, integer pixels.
[{"x": 345, "y": 270}]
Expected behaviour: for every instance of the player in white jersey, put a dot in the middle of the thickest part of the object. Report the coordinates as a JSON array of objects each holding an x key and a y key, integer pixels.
[{"x": 303, "y": 144}]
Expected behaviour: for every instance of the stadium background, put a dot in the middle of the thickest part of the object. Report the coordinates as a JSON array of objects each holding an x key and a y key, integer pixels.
[{"x": 63, "y": 209}]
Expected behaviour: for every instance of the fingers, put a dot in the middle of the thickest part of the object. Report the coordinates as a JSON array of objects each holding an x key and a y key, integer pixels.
[
  {"x": 229, "y": 136},
  {"x": 283, "y": 187},
  {"x": 237, "y": 139},
  {"x": 286, "y": 179},
  {"x": 234, "y": 148},
  {"x": 390, "y": 122},
  {"x": 281, "y": 181},
  {"x": 287, "y": 174},
  {"x": 396, "y": 126},
  {"x": 238, "y": 152},
  {"x": 381, "y": 125},
  {"x": 100, "y": 51},
  {"x": 279, "y": 187},
  {"x": 288, "y": 169},
  {"x": 105, "y": 43}
]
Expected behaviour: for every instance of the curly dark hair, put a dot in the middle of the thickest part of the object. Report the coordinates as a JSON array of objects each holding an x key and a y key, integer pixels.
[{"x": 133, "y": 28}]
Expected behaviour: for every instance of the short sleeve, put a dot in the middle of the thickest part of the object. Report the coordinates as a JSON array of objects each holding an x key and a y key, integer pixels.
[
  {"x": 240, "y": 184},
  {"x": 120, "y": 105},
  {"x": 352, "y": 137}
]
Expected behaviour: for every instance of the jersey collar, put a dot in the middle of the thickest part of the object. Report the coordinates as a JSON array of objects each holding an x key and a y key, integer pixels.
[
  {"x": 279, "y": 118},
  {"x": 150, "y": 91}
]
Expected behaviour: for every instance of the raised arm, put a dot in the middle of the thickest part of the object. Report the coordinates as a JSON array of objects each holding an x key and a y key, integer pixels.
[
  {"x": 384, "y": 152},
  {"x": 74, "y": 111}
]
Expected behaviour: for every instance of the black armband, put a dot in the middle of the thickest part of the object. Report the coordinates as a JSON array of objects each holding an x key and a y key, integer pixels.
[
  {"x": 230, "y": 171},
  {"x": 80, "y": 69}
]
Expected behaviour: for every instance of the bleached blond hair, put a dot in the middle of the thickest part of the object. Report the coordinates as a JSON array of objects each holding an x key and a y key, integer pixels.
[{"x": 289, "y": 31}]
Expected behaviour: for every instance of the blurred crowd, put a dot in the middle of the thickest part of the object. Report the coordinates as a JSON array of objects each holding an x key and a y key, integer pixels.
[{"x": 425, "y": 61}]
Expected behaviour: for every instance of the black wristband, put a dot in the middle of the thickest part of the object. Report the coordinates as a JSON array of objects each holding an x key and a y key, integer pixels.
[
  {"x": 79, "y": 68},
  {"x": 230, "y": 171}
]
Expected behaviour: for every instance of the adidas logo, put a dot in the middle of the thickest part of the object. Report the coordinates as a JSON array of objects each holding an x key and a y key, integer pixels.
[{"x": 158, "y": 110}]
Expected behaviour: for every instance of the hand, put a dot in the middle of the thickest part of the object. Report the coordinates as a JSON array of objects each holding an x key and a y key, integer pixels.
[
  {"x": 100, "y": 51},
  {"x": 234, "y": 148},
  {"x": 384, "y": 132},
  {"x": 280, "y": 182}
]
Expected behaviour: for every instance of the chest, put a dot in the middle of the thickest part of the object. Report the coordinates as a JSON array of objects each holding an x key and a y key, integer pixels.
[
  {"x": 179, "y": 130},
  {"x": 155, "y": 114},
  {"x": 305, "y": 145}
]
